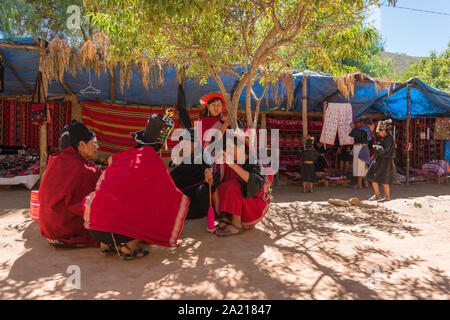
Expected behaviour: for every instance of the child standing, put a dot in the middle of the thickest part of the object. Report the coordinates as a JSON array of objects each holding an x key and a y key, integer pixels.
[{"x": 308, "y": 171}]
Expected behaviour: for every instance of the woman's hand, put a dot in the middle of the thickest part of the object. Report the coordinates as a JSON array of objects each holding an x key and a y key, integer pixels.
[{"x": 209, "y": 176}]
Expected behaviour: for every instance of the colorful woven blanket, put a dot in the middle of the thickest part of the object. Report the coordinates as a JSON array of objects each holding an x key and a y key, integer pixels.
[
  {"x": 440, "y": 167},
  {"x": 113, "y": 124}
]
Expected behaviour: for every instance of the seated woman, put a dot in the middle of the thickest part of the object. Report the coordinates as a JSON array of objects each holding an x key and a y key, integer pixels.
[
  {"x": 242, "y": 197},
  {"x": 189, "y": 178},
  {"x": 382, "y": 169},
  {"x": 69, "y": 177},
  {"x": 135, "y": 198}
]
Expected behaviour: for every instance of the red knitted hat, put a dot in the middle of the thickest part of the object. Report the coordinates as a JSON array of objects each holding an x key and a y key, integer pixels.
[{"x": 205, "y": 99}]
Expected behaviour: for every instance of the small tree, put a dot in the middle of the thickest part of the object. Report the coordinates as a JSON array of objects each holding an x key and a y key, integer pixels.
[
  {"x": 212, "y": 37},
  {"x": 434, "y": 70}
]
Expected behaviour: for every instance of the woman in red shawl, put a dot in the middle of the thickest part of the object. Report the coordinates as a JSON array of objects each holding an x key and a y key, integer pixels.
[
  {"x": 69, "y": 177},
  {"x": 242, "y": 197},
  {"x": 135, "y": 198},
  {"x": 214, "y": 104}
]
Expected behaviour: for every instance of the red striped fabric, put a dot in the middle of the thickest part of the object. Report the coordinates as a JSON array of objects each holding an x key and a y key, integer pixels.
[{"x": 113, "y": 124}]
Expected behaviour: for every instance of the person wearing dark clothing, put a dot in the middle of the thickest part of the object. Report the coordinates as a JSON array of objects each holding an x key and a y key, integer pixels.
[
  {"x": 189, "y": 178},
  {"x": 361, "y": 155},
  {"x": 308, "y": 171},
  {"x": 344, "y": 158},
  {"x": 382, "y": 169},
  {"x": 321, "y": 162}
]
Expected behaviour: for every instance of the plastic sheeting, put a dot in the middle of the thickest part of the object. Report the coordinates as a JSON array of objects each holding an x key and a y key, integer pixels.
[{"x": 425, "y": 100}]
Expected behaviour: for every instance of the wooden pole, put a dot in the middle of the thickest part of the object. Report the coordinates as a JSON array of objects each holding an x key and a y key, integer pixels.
[
  {"x": 17, "y": 46},
  {"x": 112, "y": 85},
  {"x": 43, "y": 128},
  {"x": 408, "y": 121},
  {"x": 305, "y": 106}
]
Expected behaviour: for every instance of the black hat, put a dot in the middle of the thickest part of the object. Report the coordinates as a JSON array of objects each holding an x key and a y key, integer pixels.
[
  {"x": 79, "y": 132},
  {"x": 189, "y": 134},
  {"x": 157, "y": 130}
]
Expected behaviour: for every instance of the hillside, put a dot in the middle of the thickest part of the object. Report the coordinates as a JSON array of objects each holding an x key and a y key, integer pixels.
[{"x": 400, "y": 62}]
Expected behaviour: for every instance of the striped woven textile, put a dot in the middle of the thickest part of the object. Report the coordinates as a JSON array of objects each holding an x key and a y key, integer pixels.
[
  {"x": 113, "y": 124},
  {"x": 16, "y": 129}
]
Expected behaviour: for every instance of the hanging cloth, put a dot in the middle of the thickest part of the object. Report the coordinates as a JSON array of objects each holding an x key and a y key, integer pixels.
[{"x": 338, "y": 118}]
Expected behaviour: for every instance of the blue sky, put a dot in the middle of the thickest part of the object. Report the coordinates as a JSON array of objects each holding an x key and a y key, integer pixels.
[{"x": 411, "y": 32}]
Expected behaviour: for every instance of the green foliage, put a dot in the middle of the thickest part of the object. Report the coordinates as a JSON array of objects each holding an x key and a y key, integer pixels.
[
  {"x": 213, "y": 36},
  {"x": 433, "y": 70},
  {"x": 42, "y": 18},
  {"x": 370, "y": 61}
]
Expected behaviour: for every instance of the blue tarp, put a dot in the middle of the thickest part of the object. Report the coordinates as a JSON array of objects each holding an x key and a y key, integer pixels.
[{"x": 425, "y": 100}]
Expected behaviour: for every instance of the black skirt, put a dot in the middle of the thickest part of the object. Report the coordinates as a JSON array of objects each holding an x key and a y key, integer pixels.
[
  {"x": 308, "y": 172},
  {"x": 382, "y": 170}
]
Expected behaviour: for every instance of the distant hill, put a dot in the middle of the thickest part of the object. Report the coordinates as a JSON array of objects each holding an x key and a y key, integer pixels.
[{"x": 400, "y": 62}]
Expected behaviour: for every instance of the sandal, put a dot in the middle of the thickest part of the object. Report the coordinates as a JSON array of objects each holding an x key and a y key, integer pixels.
[
  {"x": 225, "y": 232},
  {"x": 374, "y": 198},
  {"x": 133, "y": 253},
  {"x": 109, "y": 250},
  {"x": 384, "y": 199},
  {"x": 357, "y": 187},
  {"x": 222, "y": 221}
]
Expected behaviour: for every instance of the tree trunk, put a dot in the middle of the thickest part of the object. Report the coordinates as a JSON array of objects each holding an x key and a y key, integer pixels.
[
  {"x": 43, "y": 128},
  {"x": 305, "y": 106},
  {"x": 248, "y": 103}
]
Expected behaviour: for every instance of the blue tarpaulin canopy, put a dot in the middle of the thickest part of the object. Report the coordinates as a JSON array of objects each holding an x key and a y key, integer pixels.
[{"x": 424, "y": 100}]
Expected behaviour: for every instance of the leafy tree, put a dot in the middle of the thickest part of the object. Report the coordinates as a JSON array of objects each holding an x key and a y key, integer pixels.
[
  {"x": 434, "y": 70},
  {"x": 264, "y": 37},
  {"x": 371, "y": 63},
  {"x": 43, "y": 18}
]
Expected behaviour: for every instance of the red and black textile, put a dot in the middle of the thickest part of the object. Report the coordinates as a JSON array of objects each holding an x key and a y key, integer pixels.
[{"x": 16, "y": 129}]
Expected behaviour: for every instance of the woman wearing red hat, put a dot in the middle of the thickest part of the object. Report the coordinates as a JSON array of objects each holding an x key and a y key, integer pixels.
[{"x": 214, "y": 105}]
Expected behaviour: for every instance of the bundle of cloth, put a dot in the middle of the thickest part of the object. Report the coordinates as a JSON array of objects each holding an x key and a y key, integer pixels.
[{"x": 438, "y": 167}]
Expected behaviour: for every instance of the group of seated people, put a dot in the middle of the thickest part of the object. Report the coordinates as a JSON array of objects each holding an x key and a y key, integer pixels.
[{"x": 137, "y": 199}]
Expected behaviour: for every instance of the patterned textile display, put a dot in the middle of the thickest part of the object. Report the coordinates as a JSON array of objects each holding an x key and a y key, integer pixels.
[
  {"x": 113, "y": 125},
  {"x": 438, "y": 167},
  {"x": 442, "y": 129},
  {"x": 16, "y": 129},
  {"x": 338, "y": 118}
]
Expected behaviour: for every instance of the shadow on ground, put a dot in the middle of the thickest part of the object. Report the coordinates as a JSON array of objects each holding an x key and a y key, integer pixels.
[{"x": 297, "y": 252}]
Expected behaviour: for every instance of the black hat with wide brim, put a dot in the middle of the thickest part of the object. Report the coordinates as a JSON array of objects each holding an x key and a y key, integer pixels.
[{"x": 156, "y": 131}]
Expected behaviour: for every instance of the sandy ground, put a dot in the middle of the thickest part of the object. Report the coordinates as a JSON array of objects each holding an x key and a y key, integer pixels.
[{"x": 303, "y": 249}]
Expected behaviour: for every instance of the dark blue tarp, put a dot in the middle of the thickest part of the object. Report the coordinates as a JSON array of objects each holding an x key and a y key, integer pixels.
[{"x": 425, "y": 100}]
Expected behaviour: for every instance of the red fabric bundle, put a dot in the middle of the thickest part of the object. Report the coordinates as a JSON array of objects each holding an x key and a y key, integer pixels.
[
  {"x": 67, "y": 180},
  {"x": 136, "y": 197}
]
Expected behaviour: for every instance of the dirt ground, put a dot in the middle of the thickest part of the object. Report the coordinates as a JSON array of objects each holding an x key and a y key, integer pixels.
[{"x": 303, "y": 249}]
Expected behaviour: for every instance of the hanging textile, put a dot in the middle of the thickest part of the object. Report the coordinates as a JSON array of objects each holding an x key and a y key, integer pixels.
[
  {"x": 338, "y": 118},
  {"x": 442, "y": 129},
  {"x": 16, "y": 128},
  {"x": 113, "y": 125}
]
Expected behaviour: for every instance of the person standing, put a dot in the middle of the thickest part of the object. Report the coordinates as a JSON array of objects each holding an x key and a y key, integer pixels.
[
  {"x": 308, "y": 171},
  {"x": 361, "y": 153},
  {"x": 382, "y": 169}
]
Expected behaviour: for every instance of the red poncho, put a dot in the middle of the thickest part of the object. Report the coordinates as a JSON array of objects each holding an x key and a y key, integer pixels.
[
  {"x": 208, "y": 123},
  {"x": 136, "y": 197},
  {"x": 67, "y": 180}
]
